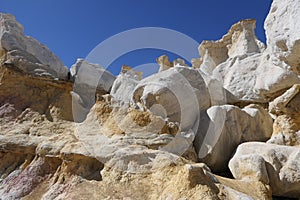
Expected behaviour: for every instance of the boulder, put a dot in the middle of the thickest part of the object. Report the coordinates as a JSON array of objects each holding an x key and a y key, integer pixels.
[
  {"x": 283, "y": 32},
  {"x": 276, "y": 165},
  {"x": 90, "y": 80},
  {"x": 178, "y": 94},
  {"x": 248, "y": 77},
  {"x": 124, "y": 85},
  {"x": 225, "y": 127},
  {"x": 240, "y": 40},
  {"x": 286, "y": 110},
  {"x": 25, "y": 53},
  {"x": 114, "y": 127},
  {"x": 92, "y": 75}
]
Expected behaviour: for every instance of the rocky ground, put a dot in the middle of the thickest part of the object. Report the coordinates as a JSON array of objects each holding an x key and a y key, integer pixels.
[{"x": 227, "y": 127}]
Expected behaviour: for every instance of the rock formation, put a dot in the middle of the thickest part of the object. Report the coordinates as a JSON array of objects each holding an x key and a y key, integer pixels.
[
  {"x": 240, "y": 62},
  {"x": 165, "y": 94},
  {"x": 275, "y": 165},
  {"x": 86, "y": 134},
  {"x": 124, "y": 84},
  {"x": 90, "y": 80},
  {"x": 283, "y": 32},
  {"x": 239, "y": 41},
  {"x": 25, "y": 53},
  {"x": 164, "y": 63},
  {"x": 229, "y": 126}
]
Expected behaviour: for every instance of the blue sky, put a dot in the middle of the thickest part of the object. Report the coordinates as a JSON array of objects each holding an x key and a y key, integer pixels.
[{"x": 72, "y": 28}]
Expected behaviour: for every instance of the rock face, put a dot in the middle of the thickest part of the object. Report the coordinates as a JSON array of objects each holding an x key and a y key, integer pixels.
[
  {"x": 272, "y": 164},
  {"x": 91, "y": 75},
  {"x": 20, "y": 94},
  {"x": 90, "y": 80},
  {"x": 82, "y": 160},
  {"x": 164, "y": 63},
  {"x": 26, "y": 53},
  {"x": 283, "y": 32},
  {"x": 124, "y": 85},
  {"x": 286, "y": 108},
  {"x": 245, "y": 77},
  {"x": 95, "y": 136},
  {"x": 239, "y": 61},
  {"x": 239, "y": 41},
  {"x": 165, "y": 94},
  {"x": 220, "y": 134}
]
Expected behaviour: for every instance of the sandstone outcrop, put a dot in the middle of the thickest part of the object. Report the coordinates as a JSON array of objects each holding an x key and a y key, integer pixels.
[
  {"x": 90, "y": 80},
  {"x": 245, "y": 77},
  {"x": 164, "y": 63},
  {"x": 283, "y": 32},
  {"x": 25, "y": 53},
  {"x": 89, "y": 135},
  {"x": 62, "y": 159},
  {"x": 272, "y": 164},
  {"x": 91, "y": 75},
  {"x": 240, "y": 40},
  {"x": 220, "y": 134},
  {"x": 165, "y": 94},
  {"x": 239, "y": 61},
  {"x": 21, "y": 93},
  {"x": 286, "y": 109},
  {"x": 124, "y": 84}
]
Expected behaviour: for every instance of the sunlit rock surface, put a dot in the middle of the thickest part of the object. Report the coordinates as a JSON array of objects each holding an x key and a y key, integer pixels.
[
  {"x": 26, "y": 53},
  {"x": 86, "y": 134}
]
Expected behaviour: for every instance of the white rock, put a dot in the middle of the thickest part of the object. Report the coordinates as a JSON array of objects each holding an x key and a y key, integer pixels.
[
  {"x": 92, "y": 75},
  {"x": 280, "y": 104},
  {"x": 178, "y": 93},
  {"x": 255, "y": 78},
  {"x": 218, "y": 94},
  {"x": 138, "y": 159},
  {"x": 243, "y": 39},
  {"x": 129, "y": 126},
  {"x": 225, "y": 127},
  {"x": 240, "y": 62},
  {"x": 276, "y": 165},
  {"x": 99, "y": 139},
  {"x": 239, "y": 41},
  {"x": 282, "y": 27},
  {"x": 90, "y": 79},
  {"x": 181, "y": 143},
  {"x": 25, "y": 52},
  {"x": 79, "y": 107},
  {"x": 212, "y": 54},
  {"x": 124, "y": 85}
]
